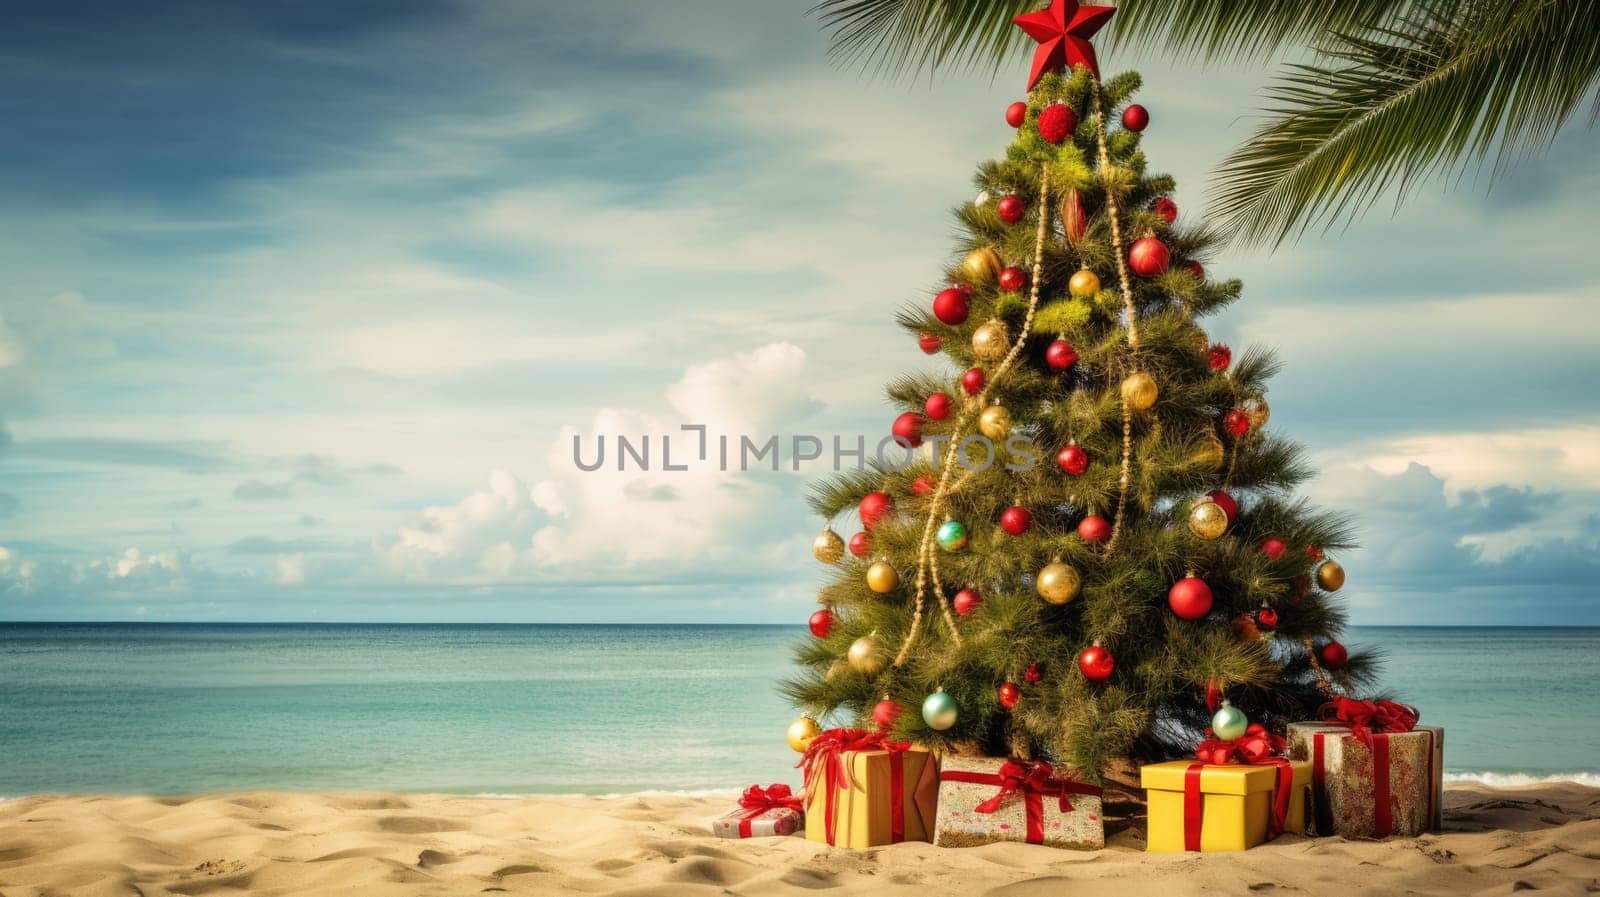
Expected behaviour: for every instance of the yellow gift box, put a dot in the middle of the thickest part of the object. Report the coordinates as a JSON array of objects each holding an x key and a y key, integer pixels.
[
  {"x": 863, "y": 792},
  {"x": 1235, "y": 803}
]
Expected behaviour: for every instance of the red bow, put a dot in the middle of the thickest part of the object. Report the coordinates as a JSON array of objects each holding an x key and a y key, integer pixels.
[
  {"x": 773, "y": 797},
  {"x": 1365, "y": 719},
  {"x": 1033, "y": 777},
  {"x": 825, "y": 754},
  {"x": 1255, "y": 747}
]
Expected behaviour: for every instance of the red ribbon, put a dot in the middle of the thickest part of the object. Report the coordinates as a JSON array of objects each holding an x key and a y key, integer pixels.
[
  {"x": 1256, "y": 747},
  {"x": 1371, "y": 722},
  {"x": 827, "y": 756},
  {"x": 1034, "y": 780},
  {"x": 757, "y": 800}
]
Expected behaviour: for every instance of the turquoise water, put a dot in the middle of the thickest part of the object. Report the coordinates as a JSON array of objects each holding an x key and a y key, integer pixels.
[{"x": 595, "y": 709}]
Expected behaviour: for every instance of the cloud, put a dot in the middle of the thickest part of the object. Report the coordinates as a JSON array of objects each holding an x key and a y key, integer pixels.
[
  {"x": 187, "y": 457},
  {"x": 322, "y": 470},
  {"x": 291, "y": 569},
  {"x": 261, "y": 490}
]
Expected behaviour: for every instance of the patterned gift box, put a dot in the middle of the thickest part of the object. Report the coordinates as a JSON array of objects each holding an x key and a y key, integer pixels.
[
  {"x": 1207, "y": 807},
  {"x": 763, "y": 812},
  {"x": 863, "y": 790},
  {"x": 1372, "y": 783},
  {"x": 988, "y": 799}
]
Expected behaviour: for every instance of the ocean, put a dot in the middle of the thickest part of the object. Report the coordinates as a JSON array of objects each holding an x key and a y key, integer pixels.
[{"x": 515, "y": 709}]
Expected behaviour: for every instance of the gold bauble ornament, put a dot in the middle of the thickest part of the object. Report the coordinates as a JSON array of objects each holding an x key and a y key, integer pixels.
[
  {"x": 1084, "y": 284},
  {"x": 882, "y": 577},
  {"x": 981, "y": 265},
  {"x": 1139, "y": 390},
  {"x": 991, "y": 342},
  {"x": 995, "y": 423},
  {"x": 1259, "y": 413},
  {"x": 827, "y": 547},
  {"x": 801, "y": 731},
  {"x": 1211, "y": 452},
  {"x": 1207, "y": 520},
  {"x": 1330, "y": 576},
  {"x": 1058, "y": 583},
  {"x": 865, "y": 658}
]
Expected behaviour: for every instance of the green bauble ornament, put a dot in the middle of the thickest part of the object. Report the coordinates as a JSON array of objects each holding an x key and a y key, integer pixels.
[
  {"x": 939, "y": 711},
  {"x": 1229, "y": 722},
  {"x": 952, "y": 535}
]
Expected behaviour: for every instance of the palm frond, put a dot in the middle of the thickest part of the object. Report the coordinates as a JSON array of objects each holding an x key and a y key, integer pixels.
[
  {"x": 911, "y": 36},
  {"x": 1434, "y": 94}
]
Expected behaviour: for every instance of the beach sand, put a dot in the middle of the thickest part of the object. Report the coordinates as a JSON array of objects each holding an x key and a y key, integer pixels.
[{"x": 1544, "y": 838}]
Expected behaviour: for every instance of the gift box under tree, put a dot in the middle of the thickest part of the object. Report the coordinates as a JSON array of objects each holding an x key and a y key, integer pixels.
[
  {"x": 863, "y": 790},
  {"x": 1235, "y": 795},
  {"x": 762, "y": 812},
  {"x": 1376, "y": 773},
  {"x": 988, "y": 799}
]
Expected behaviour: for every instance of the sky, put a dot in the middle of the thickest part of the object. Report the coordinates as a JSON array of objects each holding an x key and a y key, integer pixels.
[{"x": 304, "y": 304}]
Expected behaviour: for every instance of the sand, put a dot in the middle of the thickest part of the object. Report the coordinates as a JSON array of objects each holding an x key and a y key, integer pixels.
[{"x": 1544, "y": 838}]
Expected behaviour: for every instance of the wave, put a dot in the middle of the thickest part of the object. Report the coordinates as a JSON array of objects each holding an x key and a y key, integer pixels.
[
  {"x": 1522, "y": 779},
  {"x": 612, "y": 795}
]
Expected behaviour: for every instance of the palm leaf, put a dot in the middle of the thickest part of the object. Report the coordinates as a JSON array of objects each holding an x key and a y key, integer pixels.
[
  {"x": 898, "y": 36},
  {"x": 1440, "y": 90}
]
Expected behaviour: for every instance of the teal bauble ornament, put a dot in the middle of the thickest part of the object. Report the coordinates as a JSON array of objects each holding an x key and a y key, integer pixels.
[
  {"x": 939, "y": 711},
  {"x": 1229, "y": 722},
  {"x": 952, "y": 535}
]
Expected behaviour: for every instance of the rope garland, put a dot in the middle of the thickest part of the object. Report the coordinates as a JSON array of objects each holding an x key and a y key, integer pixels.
[
  {"x": 927, "y": 561},
  {"x": 1133, "y": 320}
]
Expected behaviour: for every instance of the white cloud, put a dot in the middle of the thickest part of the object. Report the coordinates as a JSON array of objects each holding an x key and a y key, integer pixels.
[{"x": 291, "y": 569}]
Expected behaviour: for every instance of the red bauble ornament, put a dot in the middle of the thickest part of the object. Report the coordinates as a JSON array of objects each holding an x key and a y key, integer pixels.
[
  {"x": 1198, "y": 270},
  {"x": 1273, "y": 547},
  {"x": 972, "y": 381},
  {"x": 1135, "y": 117},
  {"x": 1073, "y": 459},
  {"x": 1298, "y": 588},
  {"x": 1148, "y": 257},
  {"x": 1057, "y": 122},
  {"x": 1313, "y": 552},
  {"x": 1166, "y": 208},
  {"x": 860, "y": 544},
  {"x": 1032, "y": 674},
  {"x": 1267, "y": 617},
  {"x": 821, "y": 623},
  {"x": 1190, "y": 598},
  {"x": 874, "y": 507},
  {"x": 952, "y": 306},
  {"x": 1063, "y": 30},
  {"x": 1016, "y": 114},
  {"x": 1009, "y": 694},
  {"x": 1236, "y": 422},
  {"x": 1334, "y": 655},
  {"x": 885, "y": 713},
  {"x": 1094, "y": 528},
  {"x": 966, "y": 601},
  {"x": 929, "y": 343},
  {"x": 938, "y": 406},
  {"x": 1011, "y": 208},
  {"x": 1219, "y": 356},
  {"x": 1016, "y": 520},
  {"x": 1012, "y": 278},
  {"x": 1096, "y": 663},
  {"x": 1060, "y": 355},
  {"x": 1225, "y": 502},
  {"x": 922, "y": 485},
  {"x": 907, "y": 430}
]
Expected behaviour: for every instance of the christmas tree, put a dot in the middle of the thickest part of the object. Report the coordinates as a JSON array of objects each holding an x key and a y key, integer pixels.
[{"x": 1095, "y": 537}]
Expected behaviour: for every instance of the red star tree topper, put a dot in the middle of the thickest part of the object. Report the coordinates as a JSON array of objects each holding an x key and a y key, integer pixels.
[{"x": 1063, "y": 30}]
